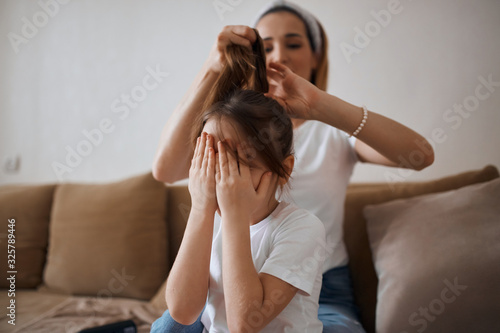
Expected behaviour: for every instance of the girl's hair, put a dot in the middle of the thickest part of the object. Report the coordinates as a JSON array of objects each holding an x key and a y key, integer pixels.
[
  {"x": 238, "y": 97},
  {"x": 319, "y": 76}
]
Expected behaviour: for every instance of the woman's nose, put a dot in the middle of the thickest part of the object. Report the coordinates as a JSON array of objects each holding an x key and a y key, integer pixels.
[{"x": 279, "y": 55}]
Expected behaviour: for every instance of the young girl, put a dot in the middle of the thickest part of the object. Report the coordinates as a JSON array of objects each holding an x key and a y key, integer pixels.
[{"x": 257, "y": 265}]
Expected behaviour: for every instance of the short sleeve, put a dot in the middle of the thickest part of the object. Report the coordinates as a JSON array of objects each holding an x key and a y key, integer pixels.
[
  {"x": 298, "y": 251},
  {"x": 352, "y": 147}
]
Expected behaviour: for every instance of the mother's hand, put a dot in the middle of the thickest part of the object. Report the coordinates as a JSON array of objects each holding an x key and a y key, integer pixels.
[
  {"x": 230, "y": 34},
  {"x": 294, "y": 93}
]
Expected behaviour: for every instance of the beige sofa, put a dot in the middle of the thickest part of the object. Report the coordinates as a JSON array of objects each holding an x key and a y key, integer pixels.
[{"x": 91, "y": 254}]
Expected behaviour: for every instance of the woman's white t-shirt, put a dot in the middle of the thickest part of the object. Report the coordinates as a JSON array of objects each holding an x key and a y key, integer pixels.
[
  {"x": 324, "y": 161},
  {"x": 290, "y": 245}
]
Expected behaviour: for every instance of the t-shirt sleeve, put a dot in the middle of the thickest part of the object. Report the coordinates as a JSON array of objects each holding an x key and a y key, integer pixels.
[
  {"x": 298, "y": 251},
  {"x": 351, "y": 145}
]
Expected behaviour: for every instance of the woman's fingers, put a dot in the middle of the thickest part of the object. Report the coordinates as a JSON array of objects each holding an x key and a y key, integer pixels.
[
  {"x": 280, "y": 68},
  {"x": 274, "y": 76},
  {"x": 237, "y": 34},
  {"x": 243, "y": 32},
  {"x": 280, "y": 100}
]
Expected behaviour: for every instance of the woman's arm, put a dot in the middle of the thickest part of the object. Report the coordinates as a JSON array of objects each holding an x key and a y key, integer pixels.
[
  {"x": 382, "y": 140},
  {"x": 174, "y": 151},
  {"x": 187, "y": 284},
  {"x": 246, "y": 292}
]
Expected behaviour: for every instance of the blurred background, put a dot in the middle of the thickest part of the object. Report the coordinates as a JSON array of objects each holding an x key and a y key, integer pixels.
[{"x": 86, "y": 86}]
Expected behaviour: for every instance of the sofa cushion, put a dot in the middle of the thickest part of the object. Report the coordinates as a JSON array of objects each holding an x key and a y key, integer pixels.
[
  {"x": 29, "y": 208},
  {"x": 108, "y": 239},
  {"x": 437, "y": 259},
  {"x": 364, "y": 278}
]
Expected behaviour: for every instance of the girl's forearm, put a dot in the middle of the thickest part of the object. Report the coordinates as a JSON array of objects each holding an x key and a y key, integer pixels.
[
  {"x": 175, "y": 149},
  {"x": 187, "y": 284},
  {"x": 243, "y": 289},
  {"x": 389, "y": 138}
]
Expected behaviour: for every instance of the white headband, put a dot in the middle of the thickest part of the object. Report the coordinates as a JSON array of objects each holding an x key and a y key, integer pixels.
[{"x": 307, "y": 17}]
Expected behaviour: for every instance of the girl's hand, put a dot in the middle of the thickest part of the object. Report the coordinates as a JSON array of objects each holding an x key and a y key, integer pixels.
[
  {"x": 294, "y": 93},
  {"x": 202, "y": 176},
  {"x": 230, "y": 34},
  {"x": 235, "y": 191}
]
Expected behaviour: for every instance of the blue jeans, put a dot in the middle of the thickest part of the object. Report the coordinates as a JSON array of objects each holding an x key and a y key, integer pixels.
[
  {"x": 337, "y": 310},
  {"x": 166, "y": 324}
]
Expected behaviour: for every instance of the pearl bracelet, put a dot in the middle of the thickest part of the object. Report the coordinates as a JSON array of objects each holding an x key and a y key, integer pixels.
[{"x": 362, "y": 124}]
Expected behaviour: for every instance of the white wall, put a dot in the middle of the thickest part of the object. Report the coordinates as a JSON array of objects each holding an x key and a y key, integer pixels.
[{"x": 65, "y": 77}]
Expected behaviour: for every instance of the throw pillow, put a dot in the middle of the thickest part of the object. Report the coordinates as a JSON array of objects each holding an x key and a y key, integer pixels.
[
  {"x": 28, "y": 208},
  {"x": 108, "y": 240},
  {"x": 364, "y": 278},
  {"x": 437, "y": 258}
]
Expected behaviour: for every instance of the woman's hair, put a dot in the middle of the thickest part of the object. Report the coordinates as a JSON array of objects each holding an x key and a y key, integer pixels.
[
  {"x": 264, "y": 127},
  {"x": 319, "y": 76}
]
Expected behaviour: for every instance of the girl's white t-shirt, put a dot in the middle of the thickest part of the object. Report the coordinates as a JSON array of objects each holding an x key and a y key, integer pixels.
[
  {"x": 324, "y": 162},
  {"x": 290, "y": 245}
]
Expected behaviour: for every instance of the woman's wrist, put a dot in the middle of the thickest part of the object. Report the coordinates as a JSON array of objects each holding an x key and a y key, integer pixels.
[
  {"x": 318, "y": 102},
  {"x": 213, "y": 64},
  {"x": 336, "y": 112},
  {"x": 209, "y": 70}
]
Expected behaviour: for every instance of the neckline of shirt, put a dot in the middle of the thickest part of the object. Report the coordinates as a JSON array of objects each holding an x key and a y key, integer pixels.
[
  {"x": 281, "y": 205},
  {"x": 265, "y": 221}
]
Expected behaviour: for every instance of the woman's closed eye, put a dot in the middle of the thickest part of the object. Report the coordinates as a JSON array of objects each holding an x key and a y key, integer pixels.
[{"x": 292, "y": 46}]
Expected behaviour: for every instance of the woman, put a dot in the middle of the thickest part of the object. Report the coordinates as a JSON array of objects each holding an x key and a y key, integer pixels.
[{"x": 296, "y": 57}]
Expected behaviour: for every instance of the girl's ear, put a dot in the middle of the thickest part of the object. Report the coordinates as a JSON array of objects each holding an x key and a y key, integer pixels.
[{"x": 288, "y": 164}]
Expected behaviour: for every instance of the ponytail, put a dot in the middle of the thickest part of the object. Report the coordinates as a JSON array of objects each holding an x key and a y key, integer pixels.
[{"x": 244, "y": 69}]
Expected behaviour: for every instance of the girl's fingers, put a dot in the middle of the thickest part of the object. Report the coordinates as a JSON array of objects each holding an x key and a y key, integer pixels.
[
  {"x": 201, "y": 150},
  {"x": 232, "y": 164},
  {"x": 205, "y": 154},
  {"x": 244, "y": 169},
  {"x": 223, "y": 163},
  {"x": 211, "y": 163},
  {"x": 217, "y": 168},
  {"x": 265, "y": 182},
  {"x": 195, "y": 153}
]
